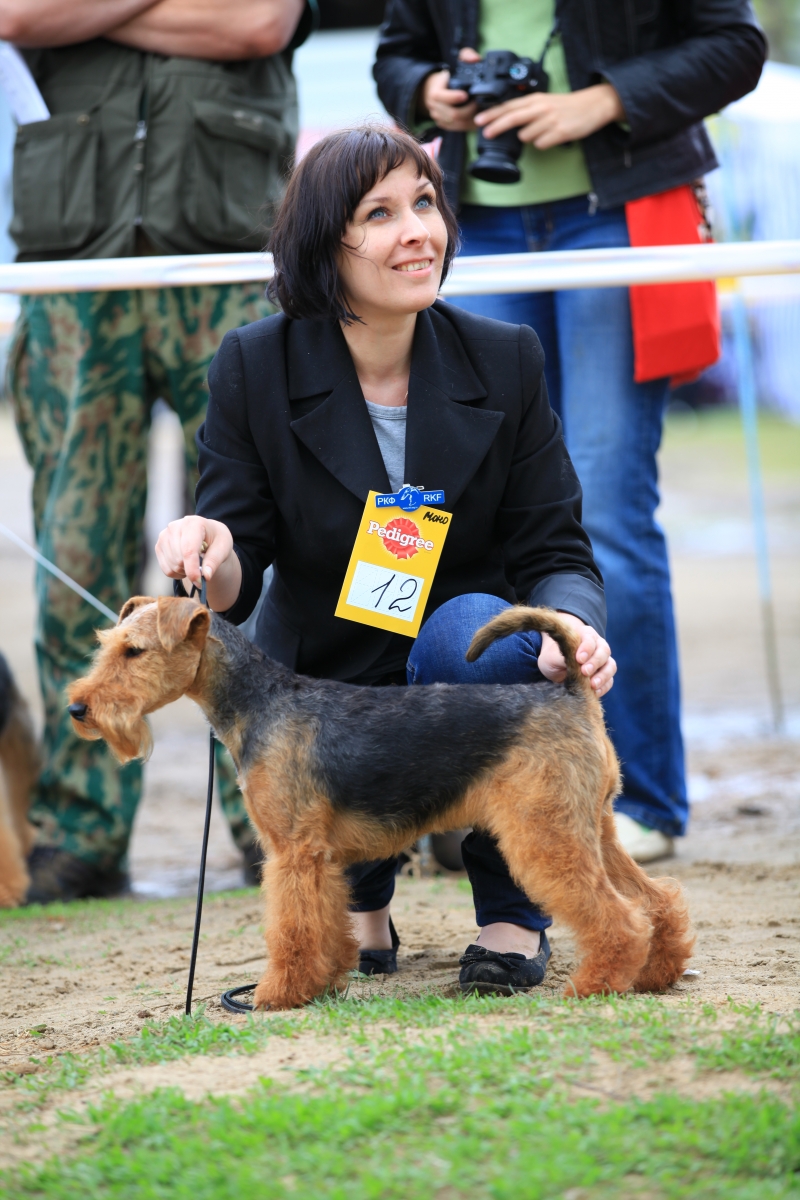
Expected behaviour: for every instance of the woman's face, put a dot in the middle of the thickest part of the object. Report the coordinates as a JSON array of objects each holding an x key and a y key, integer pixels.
[{"x": 393, "y": 249}]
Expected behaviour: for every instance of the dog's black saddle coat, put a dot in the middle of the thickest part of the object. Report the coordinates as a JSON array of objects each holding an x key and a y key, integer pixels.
[
  {"x": 395, "y": 754},
  {"x": 390, "y": 752}
]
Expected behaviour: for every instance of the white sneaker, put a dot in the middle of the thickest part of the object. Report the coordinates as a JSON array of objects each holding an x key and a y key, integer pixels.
[{"x": 642, "y": 843}]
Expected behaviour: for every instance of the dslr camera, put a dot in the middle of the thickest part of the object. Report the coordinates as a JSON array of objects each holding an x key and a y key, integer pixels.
[{"x": 501, "y": 75}]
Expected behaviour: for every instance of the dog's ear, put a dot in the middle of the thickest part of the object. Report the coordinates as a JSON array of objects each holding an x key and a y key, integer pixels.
[
  {"x": 130, "y": 605},
  {"x": 182, "y": 621}
]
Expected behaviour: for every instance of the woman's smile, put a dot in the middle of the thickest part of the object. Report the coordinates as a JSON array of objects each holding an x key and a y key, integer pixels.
[{"x": 422, "y": 264}]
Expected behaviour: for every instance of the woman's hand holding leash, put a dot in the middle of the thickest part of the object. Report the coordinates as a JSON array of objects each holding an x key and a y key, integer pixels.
[
  {"x": 594, "y": 655},
  {"x": 178, "y": 551}
]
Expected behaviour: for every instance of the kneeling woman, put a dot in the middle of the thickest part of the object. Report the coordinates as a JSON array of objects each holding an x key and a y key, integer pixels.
[{"x": 363, "y": 383}]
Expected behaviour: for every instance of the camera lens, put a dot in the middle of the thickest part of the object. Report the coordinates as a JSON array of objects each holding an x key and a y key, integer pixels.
[{"x": 495, "y": 168}]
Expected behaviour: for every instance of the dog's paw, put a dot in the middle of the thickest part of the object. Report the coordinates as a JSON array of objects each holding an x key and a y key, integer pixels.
[
  {"x": 659, "y": 976},
  {"x": 273, "y": 995}
]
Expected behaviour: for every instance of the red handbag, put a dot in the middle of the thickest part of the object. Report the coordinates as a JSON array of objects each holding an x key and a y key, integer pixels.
[{"x": 676, "y": 326}]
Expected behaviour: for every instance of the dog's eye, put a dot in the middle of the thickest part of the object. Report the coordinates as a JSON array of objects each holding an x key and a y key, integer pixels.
[{"x": 133, "y": 651}]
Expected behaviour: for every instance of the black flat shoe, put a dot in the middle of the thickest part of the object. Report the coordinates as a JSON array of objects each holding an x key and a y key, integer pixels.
[
  {"x": 489, "y": 973},
  {"x": 380, "y": 962}
]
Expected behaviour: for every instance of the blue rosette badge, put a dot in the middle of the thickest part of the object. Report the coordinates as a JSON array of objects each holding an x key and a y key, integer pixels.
[{"x": 409, "y": 498}]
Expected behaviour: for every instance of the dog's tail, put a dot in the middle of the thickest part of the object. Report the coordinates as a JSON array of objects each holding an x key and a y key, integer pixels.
[{"x": 543, "y": 620}]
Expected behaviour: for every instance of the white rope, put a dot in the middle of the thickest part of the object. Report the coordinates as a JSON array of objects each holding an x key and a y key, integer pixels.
[
  {"x": 481, "y": 275},
  {"x": 59, "y": 574}
]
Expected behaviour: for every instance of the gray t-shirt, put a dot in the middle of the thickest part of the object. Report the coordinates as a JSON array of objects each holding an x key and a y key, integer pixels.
[{"x": 390, "y": 430}]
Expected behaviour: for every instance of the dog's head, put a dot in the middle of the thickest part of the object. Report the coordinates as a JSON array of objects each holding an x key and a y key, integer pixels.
[{"x": 148, "y": 660}]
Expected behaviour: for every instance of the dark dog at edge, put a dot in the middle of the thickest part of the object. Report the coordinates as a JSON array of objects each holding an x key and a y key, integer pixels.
[{"x": 334, "y": 774}]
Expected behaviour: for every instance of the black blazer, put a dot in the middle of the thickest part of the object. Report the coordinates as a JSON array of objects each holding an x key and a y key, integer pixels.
[
  {"x": 672, "y": 63},
  {"x": 288, "y": 455}
]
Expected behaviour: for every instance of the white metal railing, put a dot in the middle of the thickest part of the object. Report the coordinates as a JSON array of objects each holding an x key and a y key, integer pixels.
[{"x": 479, "y": 275}]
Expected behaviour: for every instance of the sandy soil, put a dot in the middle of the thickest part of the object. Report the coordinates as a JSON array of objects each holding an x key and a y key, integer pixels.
[{"x": 89, "y": 978}]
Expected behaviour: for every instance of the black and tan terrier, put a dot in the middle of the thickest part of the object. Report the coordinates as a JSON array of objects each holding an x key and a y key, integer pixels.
[
  {"x": 19, "y": 769},
  {"x": 334, "y": 774}
]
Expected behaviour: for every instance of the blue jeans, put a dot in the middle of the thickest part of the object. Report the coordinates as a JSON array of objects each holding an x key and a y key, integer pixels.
[
  {"x": 612, "y": 428},
  {"x": 438, "y": 657}
]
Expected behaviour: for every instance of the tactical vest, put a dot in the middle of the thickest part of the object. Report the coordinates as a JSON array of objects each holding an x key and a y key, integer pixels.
[{"x": 193, "y": 154}]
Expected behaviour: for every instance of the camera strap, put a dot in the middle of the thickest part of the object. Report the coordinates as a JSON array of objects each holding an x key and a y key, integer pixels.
[
  {"x": 552, "y": 35},
  {"x": 465, "y": 31}
]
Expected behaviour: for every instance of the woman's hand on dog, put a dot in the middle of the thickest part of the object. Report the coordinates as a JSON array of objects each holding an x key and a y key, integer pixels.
[
  {"x": 178, "y": 551},
  {"x": 594, "y": 655}
]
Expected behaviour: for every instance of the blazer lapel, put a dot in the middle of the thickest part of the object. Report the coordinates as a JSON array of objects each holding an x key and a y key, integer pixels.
[
  {"x": 446, "y": 441},
  {"x": 338, "y": 431}
]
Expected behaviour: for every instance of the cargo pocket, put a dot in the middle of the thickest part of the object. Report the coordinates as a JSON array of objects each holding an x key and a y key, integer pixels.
[
  {"x": 235, "y": 167},
  {"x": 55, "y": 183}
]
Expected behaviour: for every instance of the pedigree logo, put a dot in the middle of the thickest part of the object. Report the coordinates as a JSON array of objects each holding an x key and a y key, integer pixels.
[{"x": 400, "y": 537}]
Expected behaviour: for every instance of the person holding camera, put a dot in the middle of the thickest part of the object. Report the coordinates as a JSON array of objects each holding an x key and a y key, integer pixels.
[{"x": 591, "y": 106}]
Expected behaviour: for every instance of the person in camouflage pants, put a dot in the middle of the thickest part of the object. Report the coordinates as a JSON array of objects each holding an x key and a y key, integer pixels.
[{"x": 84, "y": 372}]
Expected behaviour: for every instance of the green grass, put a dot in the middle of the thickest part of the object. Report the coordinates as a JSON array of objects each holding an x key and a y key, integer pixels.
[
  {"x": 428, "y": 1102},
  {"x": 635, "y": 1030},
  {"x": 92, "y": 915},
  {"x": 457, "y": 1114},
  {"x": 434, "y": 1096}
]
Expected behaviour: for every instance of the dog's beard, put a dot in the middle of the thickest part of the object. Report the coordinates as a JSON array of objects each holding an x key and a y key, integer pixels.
[{"x": 127, "y": 739}]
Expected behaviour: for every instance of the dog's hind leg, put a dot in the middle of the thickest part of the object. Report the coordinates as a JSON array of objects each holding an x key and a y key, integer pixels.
[
  {"x": 562, "y": 870},
  {"x": 308, "y": 931},
  {"x": 662, "y": 900}
]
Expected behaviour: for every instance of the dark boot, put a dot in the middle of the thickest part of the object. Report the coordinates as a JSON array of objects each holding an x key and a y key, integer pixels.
[{"x": 58, "y": 875}]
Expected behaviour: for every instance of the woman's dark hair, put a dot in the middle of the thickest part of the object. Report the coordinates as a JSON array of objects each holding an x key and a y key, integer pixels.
[{"x": 324, "y": 192}]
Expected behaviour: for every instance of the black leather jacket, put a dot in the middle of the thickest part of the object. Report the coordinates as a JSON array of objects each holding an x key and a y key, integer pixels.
[{"x": 672, "y": 62}]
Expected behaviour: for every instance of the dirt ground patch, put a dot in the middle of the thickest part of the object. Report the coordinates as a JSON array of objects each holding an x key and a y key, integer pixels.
[{"x": 88, "y": 977}]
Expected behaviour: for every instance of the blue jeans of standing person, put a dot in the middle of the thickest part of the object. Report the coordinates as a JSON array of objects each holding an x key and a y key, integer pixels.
[
  {"x": 438, "y": 657},
  {"x": 612, "y": 428}
]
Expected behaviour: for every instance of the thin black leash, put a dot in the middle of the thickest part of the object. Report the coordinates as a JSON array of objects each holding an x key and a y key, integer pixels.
[
  {"x": 204, "y": 851},
  {"x": 227, "y": 999}
]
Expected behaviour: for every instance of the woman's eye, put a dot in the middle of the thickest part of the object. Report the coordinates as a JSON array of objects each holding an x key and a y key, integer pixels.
[
  {"x": 426, "y": 202},
  {"x": 377, "y": 212}
]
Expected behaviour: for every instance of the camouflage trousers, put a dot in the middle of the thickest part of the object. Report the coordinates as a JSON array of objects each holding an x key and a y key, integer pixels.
[{"x": 84, "y": 372}]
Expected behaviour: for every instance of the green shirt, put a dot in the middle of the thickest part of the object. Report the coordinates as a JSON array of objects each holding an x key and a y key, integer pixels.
[{"x": 546, "y": 174}]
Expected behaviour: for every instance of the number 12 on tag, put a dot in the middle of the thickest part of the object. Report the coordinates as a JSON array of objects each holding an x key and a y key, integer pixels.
[
  {"x": 392, "y": 566},
  {"x": 379, "y": 589}
]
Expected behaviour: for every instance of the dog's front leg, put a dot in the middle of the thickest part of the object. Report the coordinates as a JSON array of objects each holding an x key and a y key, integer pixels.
[{"x": 309, "y": 936}]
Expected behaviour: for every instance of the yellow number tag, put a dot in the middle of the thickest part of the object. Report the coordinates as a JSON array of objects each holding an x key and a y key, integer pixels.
[{"x": 392, "y": 566}]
